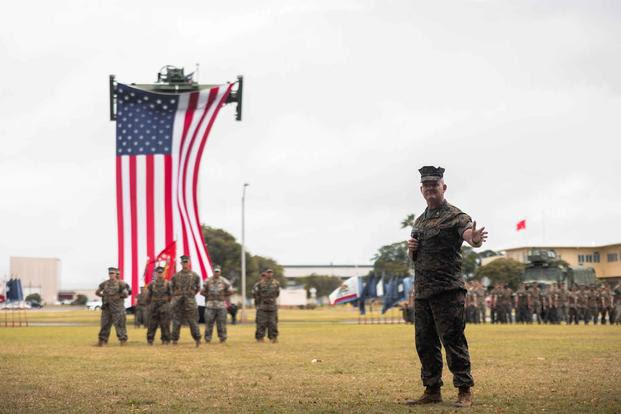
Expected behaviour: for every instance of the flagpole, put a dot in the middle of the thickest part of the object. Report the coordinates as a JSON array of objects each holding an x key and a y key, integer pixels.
[{"x": 243, "y": 253}]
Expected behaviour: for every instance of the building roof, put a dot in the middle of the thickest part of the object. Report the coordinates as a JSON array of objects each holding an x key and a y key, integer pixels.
[{"x": 537, "y": 246}]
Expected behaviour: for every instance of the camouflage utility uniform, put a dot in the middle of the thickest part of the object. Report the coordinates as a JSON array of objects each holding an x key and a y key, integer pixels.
[
  {"x": 481, "y": 305},
  {"x": 140, "y": 316},
  {"x": 440, "y": 295},
  {"x": 265, "y": 293},
  {"x": 185, "y": 285},
  {"x": 572, "y": 306},
  {"x": 159, "y": 294},
  {"x": 113, "y": 293},
  {"x": 592, "y": 305},
  {"x": 216, "y": 290}
]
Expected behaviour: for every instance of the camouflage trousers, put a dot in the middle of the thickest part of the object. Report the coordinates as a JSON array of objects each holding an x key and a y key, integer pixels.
[
  {"x": 217, "y": 316},
  {"x": 523, "y": 314},
  {"x": 483, "y": 312},
  {"x": 440, "y": 321},
  {"x": 590, "y": 314},
  {"x": 113, "y": 314},
  {"x": 141, "y": 316},
  {"x": 184, "y": 310},
  {"x": 573, "y": 316},
  {"x": 159, "y": 317},
  {"x": 266, "y": 320}
]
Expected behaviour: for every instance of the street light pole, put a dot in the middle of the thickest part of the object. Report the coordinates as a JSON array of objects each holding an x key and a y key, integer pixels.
[{"x": 243, "y": 253}]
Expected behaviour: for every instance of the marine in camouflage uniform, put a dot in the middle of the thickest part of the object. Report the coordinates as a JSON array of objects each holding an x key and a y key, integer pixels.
[
  {"x": 435, "y": 248},
  {"x": 581, "y": 305},
  {"x": 522, "y": 305},
  {"x": 216, "y": 291},
  {"x": 505, "y": 298},
  {"x": 536, "y": 301},
  {"x": 604, "y": 299},
  {"x": 265, "y": 293},
  {"x": 113, "y": 293},
  {"x": 572, "y": 306},
  {"x": 185, "y": 285},
  {"x": 615, "y": 315},
  {"x": 592, "y": 305},
  {"x": 563, "y": 303},
  {"x": 494, "y": 309},
  {"x": 158, "y": 297},
  {"x": 140, "y": 316},
  {"x": 481, "y": 292},
  {"x": 471, "y": 301}
]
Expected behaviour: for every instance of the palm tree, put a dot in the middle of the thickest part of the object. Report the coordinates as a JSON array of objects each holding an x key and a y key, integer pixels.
[{"x": 408, "y": 221}]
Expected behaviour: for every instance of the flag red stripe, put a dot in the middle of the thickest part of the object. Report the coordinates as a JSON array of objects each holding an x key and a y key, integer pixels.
[
  {"x": 185, "y": 171},
  {"x": 150, "y": 218},
  {"x": 341, "y": 299},
  {"x": 119, "y": 213},
  {"x": 189, "y": 115},
  {"x": 212, "y": 96},
  {"x": 168, "y": 197},
  {"x": 134, "y": 224}
]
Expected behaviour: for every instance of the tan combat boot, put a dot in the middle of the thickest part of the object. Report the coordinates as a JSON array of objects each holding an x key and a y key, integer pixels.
[
  {"x": 464, "y": 398},
  {"x": 432, "y": 395}
]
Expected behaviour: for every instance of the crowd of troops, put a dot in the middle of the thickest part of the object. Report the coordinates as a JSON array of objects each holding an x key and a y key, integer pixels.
[
  {"x": 164, "y": 302},
  {"x": 548, "y": 304}
]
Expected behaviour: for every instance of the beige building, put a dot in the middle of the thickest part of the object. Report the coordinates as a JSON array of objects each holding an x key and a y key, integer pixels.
[
  {"x": 605, "y": 259},
  {"x": 38, "y": 275}
]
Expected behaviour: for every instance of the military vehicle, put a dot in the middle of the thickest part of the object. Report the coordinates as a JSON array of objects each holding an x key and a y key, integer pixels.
[{"x": 545, "y": 267}]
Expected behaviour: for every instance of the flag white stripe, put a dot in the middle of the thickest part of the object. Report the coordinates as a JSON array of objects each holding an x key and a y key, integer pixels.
[
  {"x": 141, "y": 216},
  {"x": 127, "y": 225},
  {"x": 159, "y": 216},
  {"x": 191, "y": 154}
]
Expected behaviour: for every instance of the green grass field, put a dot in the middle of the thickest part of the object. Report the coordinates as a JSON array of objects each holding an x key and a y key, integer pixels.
[{"x": 363, "y": 368}]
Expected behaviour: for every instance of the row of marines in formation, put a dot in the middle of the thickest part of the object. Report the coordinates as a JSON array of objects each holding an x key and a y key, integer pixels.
[
  {"x": 175, "y": 301},
  {"x": 549, "y": 305}
]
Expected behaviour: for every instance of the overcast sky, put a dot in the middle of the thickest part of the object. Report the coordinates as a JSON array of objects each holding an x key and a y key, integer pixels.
[{"x": 520, "y": 102}]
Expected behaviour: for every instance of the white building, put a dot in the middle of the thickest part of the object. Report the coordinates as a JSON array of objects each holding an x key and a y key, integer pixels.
[{"x": 292, "y": 272}]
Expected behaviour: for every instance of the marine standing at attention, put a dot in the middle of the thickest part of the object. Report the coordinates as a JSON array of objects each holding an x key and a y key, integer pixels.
[
  {"x": 435, "y": 248},
  {"x": 265, "y": 293},
  {"x": 158, "y": 297},
  {"x": 216, "y": 290},
  {"x": 185, "y": 285},
  {"x": 113, "y": 293}
]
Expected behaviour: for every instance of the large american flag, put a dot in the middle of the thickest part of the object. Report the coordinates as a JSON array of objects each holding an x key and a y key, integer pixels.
[{"x": 160, "y": 140}]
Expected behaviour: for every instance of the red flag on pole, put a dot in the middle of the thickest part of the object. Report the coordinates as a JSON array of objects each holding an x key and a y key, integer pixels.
[
  {"x": 167, "y": 259},
  {"x": 521, "y": 225}
]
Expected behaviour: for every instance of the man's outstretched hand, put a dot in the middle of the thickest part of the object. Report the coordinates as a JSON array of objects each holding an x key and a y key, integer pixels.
[{"x": 475, "y": 237}]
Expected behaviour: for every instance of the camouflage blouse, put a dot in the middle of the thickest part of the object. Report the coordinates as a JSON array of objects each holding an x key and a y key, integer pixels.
[
  {"x": 265, "y": 293},
  {"x": 185, "y": 283},
  {"x": 215, "y": 292},
  {"x": 112, "y": 291},
  {"x": 438, "y": 257},
  {"x": 159, "y": 291}
]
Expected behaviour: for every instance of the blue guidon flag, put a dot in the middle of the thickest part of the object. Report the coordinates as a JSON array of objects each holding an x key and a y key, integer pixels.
[{"x": 160, "y": 140}]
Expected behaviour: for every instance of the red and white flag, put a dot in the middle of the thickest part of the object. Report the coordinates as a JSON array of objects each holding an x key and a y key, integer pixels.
[
  {"x": 521, "y": 225},
  {"x": 160, "y": 139}
]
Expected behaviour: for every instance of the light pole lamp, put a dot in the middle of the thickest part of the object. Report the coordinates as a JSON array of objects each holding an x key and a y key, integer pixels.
[{"x": 243, "y": 253}]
